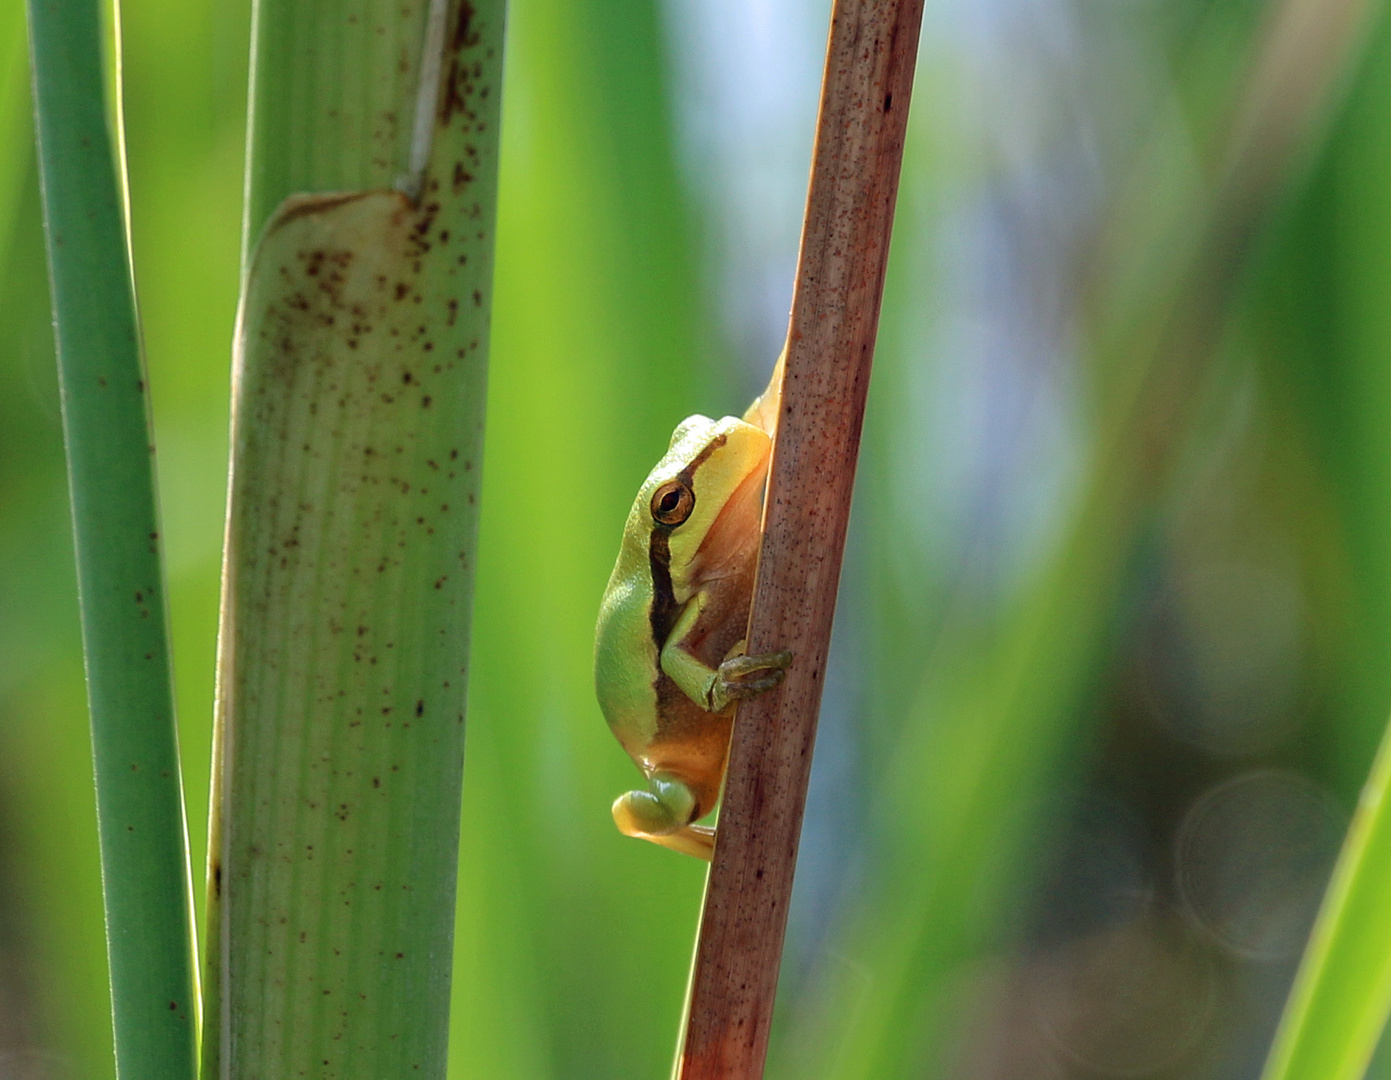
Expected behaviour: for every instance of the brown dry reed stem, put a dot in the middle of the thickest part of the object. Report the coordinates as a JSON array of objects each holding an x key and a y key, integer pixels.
[{"x": 835, "y": 314}]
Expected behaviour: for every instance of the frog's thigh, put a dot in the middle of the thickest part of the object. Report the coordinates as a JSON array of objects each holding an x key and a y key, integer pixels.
[
  {"x": 666, "y": 805},
  {"x": 662, "y": 814}
]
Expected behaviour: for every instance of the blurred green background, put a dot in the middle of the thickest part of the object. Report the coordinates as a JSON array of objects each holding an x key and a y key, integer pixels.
[{"x": 1112, "y": 650}]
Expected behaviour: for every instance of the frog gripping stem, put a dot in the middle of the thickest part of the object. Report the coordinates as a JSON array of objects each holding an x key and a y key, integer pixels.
[
  {"x": 819, "y": 413},
  {"x": 743, "y": 677}
]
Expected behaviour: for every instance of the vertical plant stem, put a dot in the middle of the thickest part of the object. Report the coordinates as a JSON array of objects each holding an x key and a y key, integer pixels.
[
  {"x": 835, "y": 315},
  {"x": 110, "y": 468},
  {"x": 358, "y": 402},
  {"x": 999, "y": 732}
]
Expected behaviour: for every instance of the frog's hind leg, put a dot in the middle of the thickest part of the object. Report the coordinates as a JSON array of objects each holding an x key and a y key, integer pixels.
[
  {"x": 662, "y": 814},
  {"x": 697, "y": 840}
]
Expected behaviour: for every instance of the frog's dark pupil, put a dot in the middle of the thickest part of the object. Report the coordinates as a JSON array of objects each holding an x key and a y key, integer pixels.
[{"x": 672, "y": 503}]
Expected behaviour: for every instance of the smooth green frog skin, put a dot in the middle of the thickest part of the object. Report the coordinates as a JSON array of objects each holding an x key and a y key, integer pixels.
[{"x": 669, "y": 665}]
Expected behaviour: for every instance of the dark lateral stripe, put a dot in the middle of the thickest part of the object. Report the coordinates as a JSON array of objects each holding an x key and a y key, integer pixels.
[
  {"x": 710, "y": 447},
  {"x": 663, "y": 613}
]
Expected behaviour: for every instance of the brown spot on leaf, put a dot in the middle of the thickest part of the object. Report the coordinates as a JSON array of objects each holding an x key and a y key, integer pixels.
[{"x": 464, "y": 35}]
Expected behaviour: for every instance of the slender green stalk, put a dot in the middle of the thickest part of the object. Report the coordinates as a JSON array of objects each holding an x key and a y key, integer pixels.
[
  {"x": 1342, "y": 995},
  {"x": 357, "y": 427},
  {"x": 110, "y": 468}
]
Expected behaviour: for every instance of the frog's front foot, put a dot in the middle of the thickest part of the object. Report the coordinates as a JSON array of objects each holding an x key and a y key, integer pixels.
[
  {"x": 742, "y": 677},
  {"x": 663, "y": 815}
]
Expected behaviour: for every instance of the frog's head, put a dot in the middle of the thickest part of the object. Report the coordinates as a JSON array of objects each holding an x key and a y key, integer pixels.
[{"x": 703, "y": 500}]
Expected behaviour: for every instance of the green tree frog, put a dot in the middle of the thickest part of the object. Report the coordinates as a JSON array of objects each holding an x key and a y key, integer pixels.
[{"x": 669, "y": 662}]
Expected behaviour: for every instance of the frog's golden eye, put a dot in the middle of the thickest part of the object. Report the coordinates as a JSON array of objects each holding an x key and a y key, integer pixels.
[{"x": 672, "y": 503}]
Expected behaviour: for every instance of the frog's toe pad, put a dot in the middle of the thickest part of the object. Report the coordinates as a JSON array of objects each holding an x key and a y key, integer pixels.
[
  {"x": 750, "y": 686},
  {"x": 743, "y": 677},
  {"x": 743, "y": 665}
]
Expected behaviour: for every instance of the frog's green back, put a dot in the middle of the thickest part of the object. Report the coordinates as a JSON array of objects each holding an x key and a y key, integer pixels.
[
  {"x": 625, "y": 655},
  {"x": 716, "y": 461}
]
